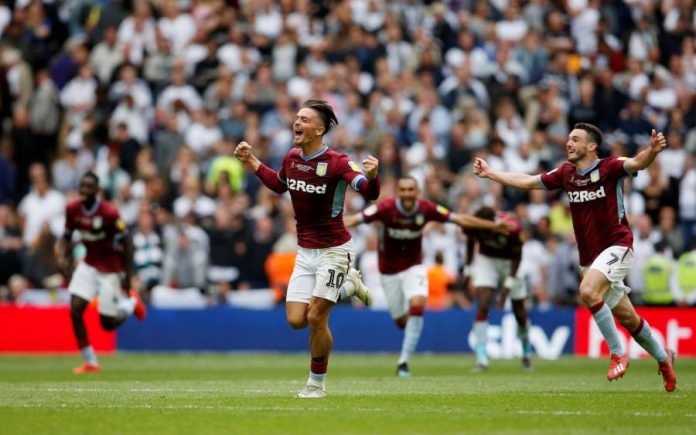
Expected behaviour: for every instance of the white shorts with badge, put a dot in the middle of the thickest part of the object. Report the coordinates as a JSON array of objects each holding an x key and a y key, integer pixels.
[
  {"x": 320, "y": 273},
  {"x": 491, "y": 272},
  {"x": 400, "y": 287},
  {"x": 614, "y": 263},
  {"x": 88, "y": 283}
]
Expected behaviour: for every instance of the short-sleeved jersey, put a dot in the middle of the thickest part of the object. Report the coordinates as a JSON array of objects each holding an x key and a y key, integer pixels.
[
  {"x": 596, "y": 204},
  {"x": 317, "y": 185},
  {"x": 496, "y": 245},
  {"x": 99, "y": 228},
  {"x": 401, "y": 231}
]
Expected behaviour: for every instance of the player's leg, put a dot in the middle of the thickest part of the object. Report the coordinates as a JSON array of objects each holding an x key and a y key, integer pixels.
[
  {"x": 300, "y": 286},
  {"x": 414, "y": 287},
  {"x": 351, "y": 284},
  {"x": 398, "y": 308},
  {"x": 82, "y": 289},
  {"x": 485, "y": 279},
  {"x": 77, "y": 311},
  {"x": 640, "y": 330},
  {"x": 320, "y": 345},
  {"x": 518, "y": 297},
  {"x": 115, "y": 307},
  {"x": 483, "y": 297},
  {"x": 611, "y": 266},
  {"x": 520, "y": 311}
]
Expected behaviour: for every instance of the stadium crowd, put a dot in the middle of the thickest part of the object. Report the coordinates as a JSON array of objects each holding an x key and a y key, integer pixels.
[{"x": 154, "y": 95}]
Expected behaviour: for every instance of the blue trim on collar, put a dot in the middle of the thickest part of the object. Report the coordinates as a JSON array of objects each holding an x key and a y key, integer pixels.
[
  {"x": 588, "y": 169},
  {"x": 93, "y": 209},
  {"x": 315, "y": 155},
  {"x": 403, "y": 211}
]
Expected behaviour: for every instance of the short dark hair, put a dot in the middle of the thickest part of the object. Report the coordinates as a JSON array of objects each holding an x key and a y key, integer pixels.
[
  {"x": 485, "y": 213},
  {"x": 92, "y": 175},
  {"x": 325, "y": 111},
  {"x": 408, "y": 177},
  {"x": 594, "y": 134}
]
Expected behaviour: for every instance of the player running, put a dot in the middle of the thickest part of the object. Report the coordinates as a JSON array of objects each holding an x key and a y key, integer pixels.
[
  {"x": 497, "y": 263},
  {"x": 316, "y": 177},
  {"x": 404, "y": 277},
  {"x": 595, "y": 190},
  {"x": 105, "y": 271}
]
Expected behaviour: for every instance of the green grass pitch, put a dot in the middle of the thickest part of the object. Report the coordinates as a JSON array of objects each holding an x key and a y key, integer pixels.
[{"x": 254, "y": 393}]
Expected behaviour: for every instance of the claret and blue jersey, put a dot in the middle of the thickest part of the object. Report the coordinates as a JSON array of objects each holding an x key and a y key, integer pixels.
[
  {"x": 596, "y": 204},
  {"x": 317, "y": 185}
]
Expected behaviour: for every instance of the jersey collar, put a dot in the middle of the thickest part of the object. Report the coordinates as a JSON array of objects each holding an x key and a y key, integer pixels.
[
  {"x": 588, "y": 169},
  {"x": 403, "y": 211},
  {"x": 92, "y": 210},
  {"x": 314, "y": 155}
]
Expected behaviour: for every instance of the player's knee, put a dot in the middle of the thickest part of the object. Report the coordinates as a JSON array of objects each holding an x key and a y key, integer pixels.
[
  {"x": 588, "y": 294},
  {"x": 297, "y": 322},
  {"x": 315, "y": 318},
  {"x": 108, "y": 323}
]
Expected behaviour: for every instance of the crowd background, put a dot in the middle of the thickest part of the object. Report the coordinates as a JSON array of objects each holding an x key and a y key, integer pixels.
[{"x": 154, "y": 95}]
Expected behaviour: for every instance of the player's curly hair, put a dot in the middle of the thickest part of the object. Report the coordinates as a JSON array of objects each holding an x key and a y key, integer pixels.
[
  {"x": 325, "y": 111},
  {"x": 92, "y": 175},
  {"x": 484, "y": 212},
  {"x": 594, "y": 134}
]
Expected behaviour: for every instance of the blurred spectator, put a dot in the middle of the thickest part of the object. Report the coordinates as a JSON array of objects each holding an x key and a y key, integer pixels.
[
  {"x": 686, "y": 275},
  {"x": 42, "y": 205},
  {"x": 660, "y": 275},
  {"x": 228, "y": 249},
  {"x": 147, "y": 251},
  {"x": 225, "y": 165},
  {"x": 687, "y": 201},
  {"x": 10, "y": 245},
  {"x": 40, "y": 266},
  {"x": 186, "y": 251},
  {"x": 644, "y": 240},
  {"x": 439, "y": 281}
]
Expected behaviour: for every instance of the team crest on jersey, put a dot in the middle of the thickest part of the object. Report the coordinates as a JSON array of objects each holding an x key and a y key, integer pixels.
[
  {"x": 594, "y": 176},
  {"x": 354, "y": 166},
  {"x": 420, "y": 219},
  {"x": 442, "y": 210},
  {"x": 97, "y": 222},
  {"x": 322, "y": 168}
]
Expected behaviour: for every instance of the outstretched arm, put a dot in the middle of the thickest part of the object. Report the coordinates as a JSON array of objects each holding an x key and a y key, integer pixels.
[
  {"x": 468, "y": 221},
  {"x": 353, "y": 220},
  {"x": 644, "y": 158},
  {"x": 268, "y": 176},
  {"x": 511, "y": 179}
]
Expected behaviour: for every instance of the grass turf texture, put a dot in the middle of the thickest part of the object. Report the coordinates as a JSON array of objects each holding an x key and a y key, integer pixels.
[{"x": 254, "y": 393}]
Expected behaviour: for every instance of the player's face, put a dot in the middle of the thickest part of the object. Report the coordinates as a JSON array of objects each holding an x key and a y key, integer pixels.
[
  {"x": 88, "y": 189},
  {"x": 307, "y": 127},
  {"x": 407, "y": 190},
  {"x": 577, "y": 146}
]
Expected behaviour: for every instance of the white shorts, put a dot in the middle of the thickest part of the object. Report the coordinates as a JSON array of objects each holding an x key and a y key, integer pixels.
[
  {"x": 400, "y": 287},
  {"x": 88, "y": 283},
  {"x": 614, "y": 263},
  {"x": 320, "y": 273},
  {"x": 491, "y": 272}
]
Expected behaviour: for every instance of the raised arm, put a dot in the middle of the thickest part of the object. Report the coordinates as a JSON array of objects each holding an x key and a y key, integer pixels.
[
  {"x": 268, "y": 176},
  {"x": 370, "y": 186},
  {"x": 511, "y": 179},
  {"x": 644, "y": 158}
]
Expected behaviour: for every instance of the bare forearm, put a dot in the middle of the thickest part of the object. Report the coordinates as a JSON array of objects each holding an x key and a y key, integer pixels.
[
  {"x": 641, "y": 160},
  {"x": 468, "y": 221},
  {"x": 515, "y": 180}
]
